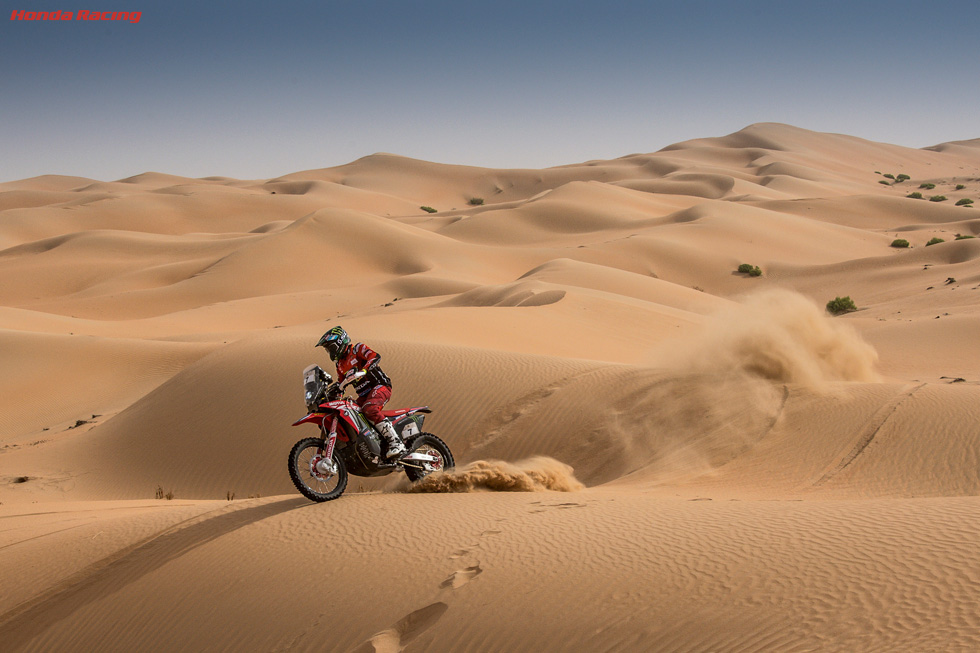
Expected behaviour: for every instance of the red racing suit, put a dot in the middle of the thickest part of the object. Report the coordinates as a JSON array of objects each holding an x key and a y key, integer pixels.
[{"x": 374, "y": 388}]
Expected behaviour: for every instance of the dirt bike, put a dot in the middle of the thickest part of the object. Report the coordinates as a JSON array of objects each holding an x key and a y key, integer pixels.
[{"x": 349, "y": 444}]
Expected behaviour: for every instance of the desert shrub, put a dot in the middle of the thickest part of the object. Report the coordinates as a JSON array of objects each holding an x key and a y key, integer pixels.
[
  {"x": 960, "y": 186},
  {"x": 882, "y": 181},
  {"x": 927, "y": 186},
  {"x": 916, "y": 195},
  {"x": 888, "y": 175},
  {"x": 963, "y": 236},
  {"x": 900, "y": 242},
  {"x": 164, "y": 495},
  {"x": 755, "y": 272},
  {"x": 935, "y": 241},
  {"x": 966, "y": 201},
  {"x": 902, "y": 178},
  {"x": 840, "y": 305},
  {"x": 745, "y": 268},
  {"x": 938, "y": 198},
  {"x": 476, "y": 201},
  {"x": 428, "y": 209}
]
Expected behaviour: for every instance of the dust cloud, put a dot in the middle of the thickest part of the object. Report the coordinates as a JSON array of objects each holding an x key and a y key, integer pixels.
[
  {"x": 708, "y": 398},
  {"x": 780, "y": 336}
]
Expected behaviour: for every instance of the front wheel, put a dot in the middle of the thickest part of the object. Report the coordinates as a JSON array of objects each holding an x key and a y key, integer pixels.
[
  {"x": 317, "y": 478},
  {"x": 429, "y": 444}
]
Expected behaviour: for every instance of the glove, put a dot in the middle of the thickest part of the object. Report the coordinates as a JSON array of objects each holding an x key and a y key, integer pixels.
[{"x": 353, "y": 376}]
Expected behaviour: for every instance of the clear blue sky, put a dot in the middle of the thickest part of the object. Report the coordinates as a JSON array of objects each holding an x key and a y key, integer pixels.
[{"x": 257, "y": 89}]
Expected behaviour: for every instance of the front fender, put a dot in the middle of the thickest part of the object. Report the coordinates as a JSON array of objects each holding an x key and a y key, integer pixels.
[{"x": 312, "y": 418}]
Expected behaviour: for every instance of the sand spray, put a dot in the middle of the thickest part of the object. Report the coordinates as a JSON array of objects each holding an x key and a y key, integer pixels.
[{"x": 536, "y": 474}]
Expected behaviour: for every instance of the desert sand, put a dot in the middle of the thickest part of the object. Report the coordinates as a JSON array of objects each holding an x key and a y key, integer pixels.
[{"x": 654, "y": 451}]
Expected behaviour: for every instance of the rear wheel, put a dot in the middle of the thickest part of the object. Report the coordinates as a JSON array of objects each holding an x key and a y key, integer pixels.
[
  {"x": 317, "y": 478},
  {"x": 431, "y": 445}
]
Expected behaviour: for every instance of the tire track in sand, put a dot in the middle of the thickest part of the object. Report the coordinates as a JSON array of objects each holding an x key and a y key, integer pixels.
[
  {"x": 496, "y": 424},
  {"x": 20, "y": 625},
  {"x": 870, "y": 430}
]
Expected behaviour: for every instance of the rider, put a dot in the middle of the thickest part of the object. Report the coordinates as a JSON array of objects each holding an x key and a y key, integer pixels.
[{"x": 373, "y": 388}]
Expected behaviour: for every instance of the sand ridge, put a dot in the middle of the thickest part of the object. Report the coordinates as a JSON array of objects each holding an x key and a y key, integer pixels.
[{"x": 655, "y": 451}]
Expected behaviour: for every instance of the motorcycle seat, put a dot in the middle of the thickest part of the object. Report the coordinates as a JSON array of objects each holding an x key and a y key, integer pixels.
[{"x": 404, "y": 411}]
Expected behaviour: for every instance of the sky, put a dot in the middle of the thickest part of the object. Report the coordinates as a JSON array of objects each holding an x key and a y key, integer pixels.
[{"x": 255, "y": 90}]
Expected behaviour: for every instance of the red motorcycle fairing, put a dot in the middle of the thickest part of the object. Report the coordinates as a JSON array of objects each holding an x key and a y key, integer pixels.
[
  {"x": 345, "y": 408},
  {"x": 342, "y": 420},
  {"x": 317, "y": 418}
]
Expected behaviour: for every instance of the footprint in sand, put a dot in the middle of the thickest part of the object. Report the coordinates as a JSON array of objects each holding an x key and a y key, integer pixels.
[
  {"x": 395, "y": 638},
  {"x": 462, "y": 576},
  {"x": 458, "y": 553}
]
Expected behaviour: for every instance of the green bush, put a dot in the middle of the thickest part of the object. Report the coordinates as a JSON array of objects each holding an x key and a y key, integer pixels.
[
  {"x": 938, "y": 198},
  {"x": 901, "y": 178},
  {"x": 476, "y": 201},
  {"x": 755, "y": 272},
  {"x": 900, "y": 242},
  {"x": 960, "y": 186},
  {"x": 916, "y": 195},
  {"x": 428, "y": 209},
  {"x": 963, "y": 237},
  {"x": 882, "y": 181},
  {"x": 888, "y": 175},
  {"x": 840, "y": 305},
  {"x": 927, "y": 186},
  {"x": 966, "y": 201},
  {"x": 749, "y": 269},
  {"x": 935, "y": 241}
]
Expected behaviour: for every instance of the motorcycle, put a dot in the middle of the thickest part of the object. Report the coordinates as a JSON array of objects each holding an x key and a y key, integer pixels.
[{"x": 349, "y": 444}]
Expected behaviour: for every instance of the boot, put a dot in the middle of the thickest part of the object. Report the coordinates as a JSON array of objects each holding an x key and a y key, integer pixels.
[{"x": 395, "y": 445}]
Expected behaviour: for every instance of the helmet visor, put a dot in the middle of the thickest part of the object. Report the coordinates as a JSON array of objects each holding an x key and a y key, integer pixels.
[{"x": 334, "y": 347}]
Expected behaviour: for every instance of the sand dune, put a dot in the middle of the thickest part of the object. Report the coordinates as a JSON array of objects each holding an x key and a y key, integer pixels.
[{"x": 654, "y": 451}]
